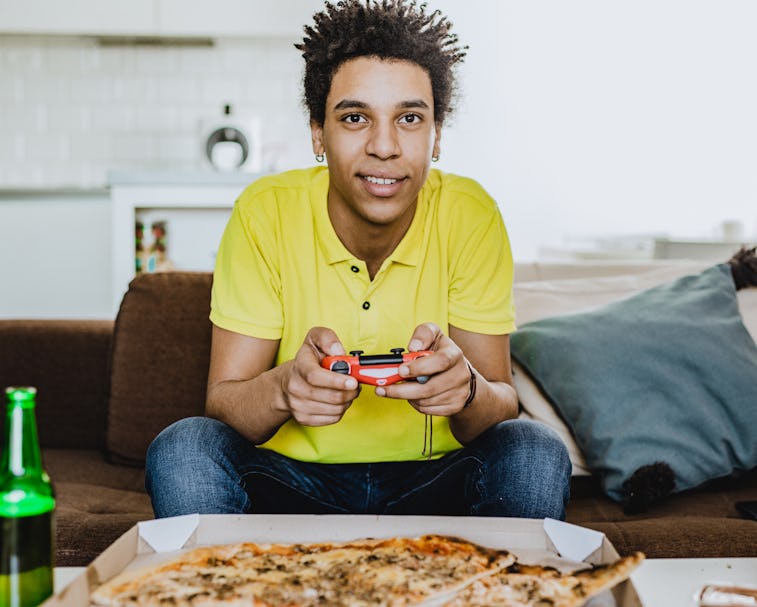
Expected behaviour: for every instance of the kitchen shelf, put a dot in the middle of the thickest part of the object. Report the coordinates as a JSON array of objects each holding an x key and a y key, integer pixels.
[{"x": 195, "y": 204}]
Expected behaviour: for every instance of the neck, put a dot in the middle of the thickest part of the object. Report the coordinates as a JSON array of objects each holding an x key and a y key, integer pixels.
[{"x": 373, "y": 243}]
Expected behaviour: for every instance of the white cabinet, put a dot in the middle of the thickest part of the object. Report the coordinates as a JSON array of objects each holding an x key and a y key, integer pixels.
[
  {"x": 55, "y": 252},
  {"x": 173, "y": 18},
  {"x": 194, "y": 206}
]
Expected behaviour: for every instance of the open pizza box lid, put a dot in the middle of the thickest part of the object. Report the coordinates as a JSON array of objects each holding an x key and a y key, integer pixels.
[{"x": 547, "y": 542}]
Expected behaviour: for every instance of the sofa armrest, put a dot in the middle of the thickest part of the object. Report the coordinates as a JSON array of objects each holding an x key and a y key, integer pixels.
[{"x": 67, "y": 361}]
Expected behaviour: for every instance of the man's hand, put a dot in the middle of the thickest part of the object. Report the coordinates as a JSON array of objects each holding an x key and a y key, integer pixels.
[
  {"x": 449, "y": 369},
  {"x": 313, "y": 395},
  {"x": 448, "y": 387}
]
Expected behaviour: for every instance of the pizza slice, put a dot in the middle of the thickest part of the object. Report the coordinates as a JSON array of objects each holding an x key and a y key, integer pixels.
[
  {"x": 391, "y": 572},
  {"x": 536, "y": 586}
]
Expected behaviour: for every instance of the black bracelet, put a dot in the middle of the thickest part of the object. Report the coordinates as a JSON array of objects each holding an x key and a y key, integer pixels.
[{"x": 471, "y": 387}]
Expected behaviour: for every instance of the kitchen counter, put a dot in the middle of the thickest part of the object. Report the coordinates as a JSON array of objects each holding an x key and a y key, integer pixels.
[
  {"x": 180, "y": 178},
  {"x": 21, "y": 193},
  {"x": 132, "y": 177}
]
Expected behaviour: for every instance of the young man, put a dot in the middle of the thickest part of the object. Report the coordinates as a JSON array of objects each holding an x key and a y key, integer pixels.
[{"x": 373, "y": 252}]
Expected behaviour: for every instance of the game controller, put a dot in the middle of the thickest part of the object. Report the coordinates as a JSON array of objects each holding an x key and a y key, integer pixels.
[{"x": 375, "y": 369}]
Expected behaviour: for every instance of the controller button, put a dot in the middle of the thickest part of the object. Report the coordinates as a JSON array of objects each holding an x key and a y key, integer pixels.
[
  {"x": 356, "y": 352},
  {"x": 366, "y": 305},
  {"x": 397, "y": 350}
]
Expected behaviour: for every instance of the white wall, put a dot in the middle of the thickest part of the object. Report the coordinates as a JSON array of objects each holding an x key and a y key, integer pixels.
[
  {"x": 582, "y": 118},
  {"x": 595, "y": 117},
  {"x": 71, "y": 109}
]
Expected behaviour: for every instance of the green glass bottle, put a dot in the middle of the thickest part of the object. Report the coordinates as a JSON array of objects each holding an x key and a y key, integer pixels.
[{"x": 27, "y": 505}]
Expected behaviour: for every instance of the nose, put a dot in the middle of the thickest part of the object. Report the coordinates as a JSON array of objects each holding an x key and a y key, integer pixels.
[{"x": 383, "y": 141}]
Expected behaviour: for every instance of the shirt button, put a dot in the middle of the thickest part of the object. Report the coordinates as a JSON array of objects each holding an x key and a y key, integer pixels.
[
  {"x": 366, "y": 305},
  {"x": 355, "y": 269}
]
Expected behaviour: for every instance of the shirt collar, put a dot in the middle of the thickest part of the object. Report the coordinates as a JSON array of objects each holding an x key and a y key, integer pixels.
[{"x": 407, "y": 251}]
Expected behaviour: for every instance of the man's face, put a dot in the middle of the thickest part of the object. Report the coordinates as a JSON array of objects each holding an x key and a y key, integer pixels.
[{"x": 378, "y": 136}]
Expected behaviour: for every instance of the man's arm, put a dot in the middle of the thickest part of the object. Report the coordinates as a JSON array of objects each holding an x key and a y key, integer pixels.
[
  {"x": 252, "y": 396},
  {"x": 448, "y": 388},
  {"x": 496, "y": 399}
]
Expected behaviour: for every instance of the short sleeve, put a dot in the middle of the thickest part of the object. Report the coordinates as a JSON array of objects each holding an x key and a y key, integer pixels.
[
  {"x": 246, "y": 295},
  {"x": 481, "y": 267}
]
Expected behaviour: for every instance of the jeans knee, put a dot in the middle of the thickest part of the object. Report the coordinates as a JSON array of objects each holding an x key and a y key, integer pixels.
[
  {"x": 531, "y": 441},
  {"x": 181, "y": 445},
  {"x": 173, "y": 438},
  {"x": 187, "y": 469},
  {"x": 526, "y": 472}
]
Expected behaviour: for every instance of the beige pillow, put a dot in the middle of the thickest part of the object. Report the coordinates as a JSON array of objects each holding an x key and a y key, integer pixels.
[
  {"x": 747, "y": 299},
  {"x": 544, "y": 298}
]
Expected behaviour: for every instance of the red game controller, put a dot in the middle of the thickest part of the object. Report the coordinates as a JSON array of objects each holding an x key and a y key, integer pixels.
[{"x": 374, "y": 369}]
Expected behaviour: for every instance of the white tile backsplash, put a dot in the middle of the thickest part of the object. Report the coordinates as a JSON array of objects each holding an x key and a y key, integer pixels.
[{"x": 71, "y": 110}]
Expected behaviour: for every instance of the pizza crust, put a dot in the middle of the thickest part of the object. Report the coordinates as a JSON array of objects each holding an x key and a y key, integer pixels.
[{"x": 536, "y": 586}]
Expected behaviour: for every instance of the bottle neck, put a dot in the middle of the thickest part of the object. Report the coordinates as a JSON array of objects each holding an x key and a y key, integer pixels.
[{"x": 21, "y": 455}]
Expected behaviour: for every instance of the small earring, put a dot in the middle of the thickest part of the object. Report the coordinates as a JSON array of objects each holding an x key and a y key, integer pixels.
[
  {"x": 320, "y": 157},
  {"x": 435, "y": 158}
]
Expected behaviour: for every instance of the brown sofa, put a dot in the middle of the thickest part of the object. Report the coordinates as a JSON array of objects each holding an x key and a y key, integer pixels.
[{"x": 106, "y": 389}]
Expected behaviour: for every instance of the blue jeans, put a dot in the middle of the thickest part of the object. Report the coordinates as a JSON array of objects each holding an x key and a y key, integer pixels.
[{"x": 517, "y": 468}]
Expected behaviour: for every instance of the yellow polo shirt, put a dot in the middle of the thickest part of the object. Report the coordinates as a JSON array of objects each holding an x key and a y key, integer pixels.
[{"x": 281, "y": 269}]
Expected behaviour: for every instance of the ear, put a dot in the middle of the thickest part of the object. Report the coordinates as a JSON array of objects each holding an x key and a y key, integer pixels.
[{"x": 316, "y": 136}]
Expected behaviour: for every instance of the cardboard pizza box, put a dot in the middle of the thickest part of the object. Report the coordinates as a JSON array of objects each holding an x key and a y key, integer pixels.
[{"x": 547, "y": 541}]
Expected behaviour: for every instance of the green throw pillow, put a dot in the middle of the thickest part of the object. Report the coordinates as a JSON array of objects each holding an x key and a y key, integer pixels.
[{"x": 665, "y": 379}]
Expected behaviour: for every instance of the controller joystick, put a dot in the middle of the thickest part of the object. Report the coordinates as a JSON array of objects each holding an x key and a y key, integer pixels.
[
  {"x": 374, "y": 369},
  {"x": 341, "y": 366}
]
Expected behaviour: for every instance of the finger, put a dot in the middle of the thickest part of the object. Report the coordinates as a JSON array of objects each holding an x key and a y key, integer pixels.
[
  {"x": 444, "y": 403},
  {"x": 307, "y": 363},
  {"x": 422, "y": 368},
  {"x": 447, "y": 388},
  {"x": 323, "y": 386},
  {"x": 324, "y": 378},
  {"x": 325, "y": 342},
  {"x": 317, "y": 420},
  {"x": 446, "y": 356},
  {"x": 441, "y": 404},
  {"x": 425, "y": 337}
]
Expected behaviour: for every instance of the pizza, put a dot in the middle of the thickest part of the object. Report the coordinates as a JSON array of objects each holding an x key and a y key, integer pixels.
[
  {"x": 393, "y": 572},
  {"x": 536, "y": 586},
  {"x": 385, "y": 572}
]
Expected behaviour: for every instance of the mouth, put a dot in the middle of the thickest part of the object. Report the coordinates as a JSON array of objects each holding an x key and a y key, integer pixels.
[{"x": 382, "y": 186}]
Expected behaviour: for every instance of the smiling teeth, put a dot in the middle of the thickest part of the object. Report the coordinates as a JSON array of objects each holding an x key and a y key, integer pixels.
[{"x": 380, "y": 180}]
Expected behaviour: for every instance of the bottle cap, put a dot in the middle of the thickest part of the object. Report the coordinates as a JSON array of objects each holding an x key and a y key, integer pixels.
[{"x": 23, "y": 393}]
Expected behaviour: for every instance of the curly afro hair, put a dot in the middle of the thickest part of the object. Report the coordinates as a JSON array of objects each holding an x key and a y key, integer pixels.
[{"x": 388, "y": 29}]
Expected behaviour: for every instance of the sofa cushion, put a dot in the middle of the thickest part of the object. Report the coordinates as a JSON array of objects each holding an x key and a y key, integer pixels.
[
  {"x": 96, "y": 502},
  {"x": 161, "y": 354},
  {"x": 701, "y": 523},
  {"x": 67, "y": 361},
  {"x": 668, "y": 375}
]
